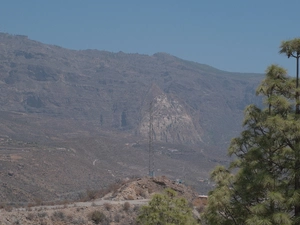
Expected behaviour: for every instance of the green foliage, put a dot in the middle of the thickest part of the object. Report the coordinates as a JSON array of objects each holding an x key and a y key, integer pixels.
[
  {"x": 166, "y": 209},
  {"x": 290, "y": 47},
  {"x": 259, "y": 185}
]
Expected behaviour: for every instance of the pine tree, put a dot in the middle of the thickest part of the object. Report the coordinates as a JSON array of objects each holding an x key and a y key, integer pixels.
[
  {"x": 292, "y": 49},
  {"x": 260, "y": 185}
]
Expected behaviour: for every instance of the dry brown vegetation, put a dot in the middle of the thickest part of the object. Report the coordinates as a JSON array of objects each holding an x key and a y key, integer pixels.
[{"x": 115, "y": 213}]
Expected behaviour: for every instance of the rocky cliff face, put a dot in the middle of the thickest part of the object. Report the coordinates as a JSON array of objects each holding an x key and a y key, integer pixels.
[{"x": 171, "y": 121}]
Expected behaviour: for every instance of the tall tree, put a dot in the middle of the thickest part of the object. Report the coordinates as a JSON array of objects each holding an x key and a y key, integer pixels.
[
  {"x": 259, "y": 185},
  {"x": 292, "y": 49}
]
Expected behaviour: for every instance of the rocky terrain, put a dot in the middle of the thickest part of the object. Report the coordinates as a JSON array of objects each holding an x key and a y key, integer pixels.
[
  {"x": 118, "y": 207},
  {"x": 113, "y": 91},
  {"x": 77, "y": 120}
]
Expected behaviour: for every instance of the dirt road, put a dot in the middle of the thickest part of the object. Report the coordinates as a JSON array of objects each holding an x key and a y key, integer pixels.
[{"x": 97, "y": 202}]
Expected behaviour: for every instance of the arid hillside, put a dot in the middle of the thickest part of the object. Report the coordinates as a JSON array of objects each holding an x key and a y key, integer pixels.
[
  {"x": 77, "y": 120},
  {"x": 192, "y": 103},
  {"x": 118, "y": 207}
]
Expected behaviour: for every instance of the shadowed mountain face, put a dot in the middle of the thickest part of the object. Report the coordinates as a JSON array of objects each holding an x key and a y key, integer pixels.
[
  {"x": 76, "y": 120},
  {"x": 193, "y": 103}
]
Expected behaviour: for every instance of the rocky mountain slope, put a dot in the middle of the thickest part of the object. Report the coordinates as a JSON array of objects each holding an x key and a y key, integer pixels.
[
  {"x": 76, "y": 120},
  {"x": 191, "y": 102}
]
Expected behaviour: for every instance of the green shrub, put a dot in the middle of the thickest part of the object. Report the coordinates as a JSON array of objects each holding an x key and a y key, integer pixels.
[{"x": 166, "y": 209}]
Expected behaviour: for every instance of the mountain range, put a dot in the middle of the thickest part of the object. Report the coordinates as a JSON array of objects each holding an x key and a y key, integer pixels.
[{"x": 89, "y": 110}]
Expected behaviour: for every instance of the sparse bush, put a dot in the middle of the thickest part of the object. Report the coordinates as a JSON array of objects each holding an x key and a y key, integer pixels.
[
  {"x": 78, "y": 221},
  {"x": 69, "y": 217},
  {"x": 136, "y": 208},
  {"x": 126, "y": 206},
  {"x": 30, "y": 204},
  {"x": 51, "y": 203},
  {"x": 30, "y": 216},
  {"x": 58, "y": 215},
  {"x": 107, "y": 206},
  {"x": 98, "y": 217},
  {"x": 8, "y": 208},
  {"x": 117, "y": 218},
  {"x": 82, "y": 196},
  {"x": 114, "y": 187},
  {"x": 17, "y": 222},
  {"x": 91, "y": 194},
  {"x": 38, "y": 201},
  {"x": 42, "y": 214},
  {"x": 66, "y": 202}
]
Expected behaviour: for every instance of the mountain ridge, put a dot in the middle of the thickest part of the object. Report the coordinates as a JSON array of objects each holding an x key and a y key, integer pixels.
[
  {"x": 73, "y": 120},
  {"x": 113, "y": 80}
]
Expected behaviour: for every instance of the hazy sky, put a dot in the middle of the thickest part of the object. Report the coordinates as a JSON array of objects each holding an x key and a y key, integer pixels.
[{"x": 232, "y": 35}]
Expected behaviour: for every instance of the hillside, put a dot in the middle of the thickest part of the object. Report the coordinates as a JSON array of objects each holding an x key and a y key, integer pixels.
[
  {"x": 76, "y": 120},
  {"x": 120, "y": 206},
  {"x": 113, "y": 91}
]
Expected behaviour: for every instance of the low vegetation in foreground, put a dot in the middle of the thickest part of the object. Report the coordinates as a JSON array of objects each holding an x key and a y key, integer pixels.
[{"x": 133, "y": 202}]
